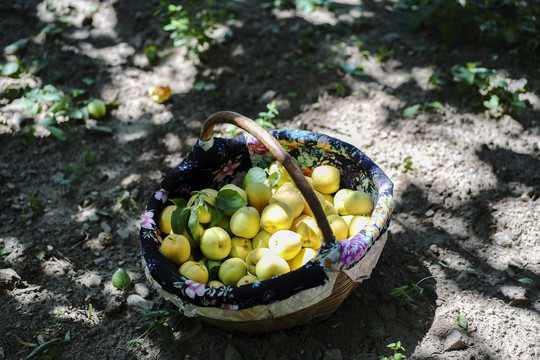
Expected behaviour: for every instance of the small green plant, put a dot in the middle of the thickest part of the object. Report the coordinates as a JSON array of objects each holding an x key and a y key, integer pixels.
[
  {"x": 3, "y": 252},
  {"x": 412, "y": 110},
  {"x": 406, "y": 164},
  {"x": 509, "y": 23},
  {"x": 193, "y": 23},
  {"x": 51, "y": 349},
  {"x": 159, "y": 323},
  {"x": 402, "y": 292},
  {"x": 397, "y": 348},
  {"x": 462, "y": 322},
  {"x": 482, "y": 85},
  {"x": 56, "y": 105},
  {"x": 384, "y": 53},
  {"x": 265, "y": 119},
  {"x": 305, "y": 6},
  {"x": 35, "y": 206}
]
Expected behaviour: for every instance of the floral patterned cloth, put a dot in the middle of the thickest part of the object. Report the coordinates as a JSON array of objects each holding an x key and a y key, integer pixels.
[{"x": 221, "y": 161}]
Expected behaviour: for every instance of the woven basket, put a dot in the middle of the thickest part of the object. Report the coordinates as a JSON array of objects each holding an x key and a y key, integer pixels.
[{"x": 309, "y": 294}]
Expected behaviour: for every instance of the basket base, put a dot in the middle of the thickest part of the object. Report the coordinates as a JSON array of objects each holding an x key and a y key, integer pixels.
[
  {"x": 319, "y": 311},
  {"x": 312, "y": 314}
]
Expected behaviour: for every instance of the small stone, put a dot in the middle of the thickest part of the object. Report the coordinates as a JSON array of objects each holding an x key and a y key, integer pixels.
[
  {"x": 510, "y": 273},
  {"x": 457, "y": 339},
  {"x": 99, "y": 260},
  {"x": 278, "y": 338},
  {"x": 93, "y": 218},
  {"x": 140, "y": 305},
  {"x": 332, "y": 354},
  {"x": 439, "y": 189},
  {"x": 122, "y": 234},
  {"x": 413, "y": 269},
  {"x": 502, "y": 239},
  {"x": 434, "y": 249},
  {"x": 267, "y": 96},
  {"x": 429, "y": 213},
  {"x": 105, "y": 227},
  {"x": 472, "y": 271},
  {"x": 516, "y": 294},
  {"x": 105, "y": 238},
  {"x": 142, "y": 290},
  {"x": 40, "y": 339},
  {"x": 387, "y": 312},
  {"x": 9, "y": 279},
  {"x": 113, "y": 306},
  {"x": 232, "y": 353},
  {"x": 96, "y": 129},
  {"x": 92, "y": 280},
  {"x": 378, "y": 333}
]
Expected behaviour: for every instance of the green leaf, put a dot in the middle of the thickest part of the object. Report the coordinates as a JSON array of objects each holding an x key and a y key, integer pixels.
[
  {"x": 49, "y": 120},
  {"x": 151, "y": 53},
  {"x": 526, "y": 281},
  {"x": 217, "y": 215},
  {"x": 198, "y": 86},
  {"x": 435, "y": 104},
  {"x": 493, "y": 102},
  {"x": 254, "y": 175},
  {"x": 10, "y": 68},
  {"x": 411, "y": 110},
  {"x": 399, "y": 291},
  {"x": 89, "y": 157},
  {"x": 57, "y": 133},
  {"x": 17, "y": 45},
  {"x": 462, "y": 322},
  {"x": 4, "y": 252},
  {"x": 274, "y": 178},
  {"x": 44, "y": 347},
  {"x": 193, "y": 223},
  {"x": 179, "y": 219},
  {"x": 229, "y": 200}
]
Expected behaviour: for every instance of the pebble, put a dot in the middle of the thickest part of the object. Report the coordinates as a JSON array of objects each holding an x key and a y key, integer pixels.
[
  {"x": 140, "y": 305},
  {"x": 105, "y": 227},
  {"x": 387, "y": 312},
  {"x": 457, "y": 339},
  {"x": 97, "y": 129},
  {"x": 332, "y": 354},
  {"x": 434, "y": 249},
  {"x": 9, "y": 279},
  {"x": 123, "y": 234},
  {"x": 502, "y": 239},
  {"x": 429, "y": 213},
  {"x": 142, "y": 290},
  {"x": 378, "y": 332},
  {"x": 100, "y": 260},
  {"x": 516, "y": 294},
  {"x": 93, "y": 218},
  {"x": 232, "y": 353},
  {"x": 267, "y": 96},
  {"x": 113, "y": 306},
  {"x": 92, "y": 280},
  {"x": 105, "y": 238}
]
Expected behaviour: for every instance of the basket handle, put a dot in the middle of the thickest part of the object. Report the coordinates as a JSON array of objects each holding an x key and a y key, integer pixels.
[{"x": 281, "y": 155}]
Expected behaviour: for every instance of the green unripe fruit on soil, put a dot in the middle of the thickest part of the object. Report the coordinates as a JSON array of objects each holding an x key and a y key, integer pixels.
[
  {"x": 96, "y": 108},
  {"x": 121, "y": 279}
]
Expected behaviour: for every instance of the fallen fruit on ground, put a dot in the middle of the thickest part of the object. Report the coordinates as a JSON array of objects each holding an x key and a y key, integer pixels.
[
  {"x": 96, "y": 108},
  {"x": 121, "y": 279}
]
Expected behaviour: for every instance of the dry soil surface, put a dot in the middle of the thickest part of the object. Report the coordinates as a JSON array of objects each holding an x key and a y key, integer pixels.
[{"x": 466, "y": 223}]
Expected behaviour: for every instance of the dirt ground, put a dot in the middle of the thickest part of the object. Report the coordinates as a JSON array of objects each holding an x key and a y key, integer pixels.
[{"x": 465, "y": 226}]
